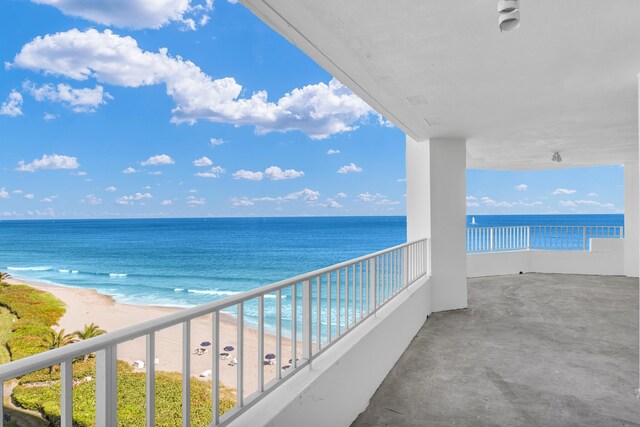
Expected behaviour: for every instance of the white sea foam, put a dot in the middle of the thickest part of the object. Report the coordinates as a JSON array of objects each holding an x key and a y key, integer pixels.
[
  {"x": 39, "y": 268},
  {"x": 74, "y": 271},
  {"x": 212, "y": 292},
  {"x": 63, "y": 270},
  {"x": 117, "y": 275},
  {"x": 178, "y": 290}
]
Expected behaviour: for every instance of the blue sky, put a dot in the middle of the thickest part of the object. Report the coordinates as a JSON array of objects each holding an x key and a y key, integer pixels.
[{"x": 190, "y": 108}]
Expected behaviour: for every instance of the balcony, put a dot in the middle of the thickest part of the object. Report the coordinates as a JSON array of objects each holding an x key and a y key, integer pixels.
[{"x": 534, "y": 349}]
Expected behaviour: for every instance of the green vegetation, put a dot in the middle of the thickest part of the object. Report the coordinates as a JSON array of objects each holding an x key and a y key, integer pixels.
[
  {"x": 44, "y": 396},
  {"x": 36, "y": 313},
  {"x": 6, "y": 325},
  {"x": 26, "y": 319}
]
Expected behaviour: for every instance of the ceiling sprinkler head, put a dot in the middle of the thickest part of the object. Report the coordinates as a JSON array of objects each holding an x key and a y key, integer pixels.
[
  {"x": 508, "y": 15},
  {"x": 556, "y": 157}
]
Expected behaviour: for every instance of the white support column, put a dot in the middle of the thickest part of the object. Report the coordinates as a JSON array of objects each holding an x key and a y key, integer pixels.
[
  {"x": 631, "y": 219},
  {"x": 436, "y": 208}
]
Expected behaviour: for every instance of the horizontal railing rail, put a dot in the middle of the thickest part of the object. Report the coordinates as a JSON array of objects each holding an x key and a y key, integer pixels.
[
  {"x": 562, "y": 238},
  {"x": 323, "y": 306}
]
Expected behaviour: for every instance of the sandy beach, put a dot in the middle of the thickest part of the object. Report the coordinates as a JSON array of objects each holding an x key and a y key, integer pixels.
[{"x": 86, "y": 305}]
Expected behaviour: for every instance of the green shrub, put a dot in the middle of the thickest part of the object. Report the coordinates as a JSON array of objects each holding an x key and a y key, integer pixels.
[{"x": 131, "y": 398}]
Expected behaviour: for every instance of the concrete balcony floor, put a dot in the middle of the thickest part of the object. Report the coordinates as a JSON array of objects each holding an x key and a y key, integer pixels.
[{"x": 532, "y": 349}]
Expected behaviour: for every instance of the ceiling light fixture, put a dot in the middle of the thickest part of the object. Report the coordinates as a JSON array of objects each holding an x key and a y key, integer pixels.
[
  {"x": 556, "y": 157},
  {"x": 508, "y": 14}
]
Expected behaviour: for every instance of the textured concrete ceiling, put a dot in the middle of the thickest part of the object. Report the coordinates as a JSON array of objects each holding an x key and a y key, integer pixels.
[{"x": 565, "y": 81}]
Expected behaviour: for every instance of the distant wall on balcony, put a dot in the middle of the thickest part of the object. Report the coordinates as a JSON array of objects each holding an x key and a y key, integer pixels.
[{"x": 606, "y": 257}]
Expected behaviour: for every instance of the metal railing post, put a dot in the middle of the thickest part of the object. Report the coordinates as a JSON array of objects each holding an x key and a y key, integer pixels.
[
  {"x": 306, "y": 320},
  {"x": 584, "y": 239},
  {"x": 491, "y": 239},
  {"x": 106, "y": 387},
  {"x": 373, "y": 287},
  {"x": 405, "y": 263}
]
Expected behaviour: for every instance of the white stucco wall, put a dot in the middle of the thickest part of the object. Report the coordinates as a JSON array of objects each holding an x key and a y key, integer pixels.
[
  {"x": 631, "y": 219},
  {"x": 605, "y": 258},
  {"x": 340, "y": 382}
]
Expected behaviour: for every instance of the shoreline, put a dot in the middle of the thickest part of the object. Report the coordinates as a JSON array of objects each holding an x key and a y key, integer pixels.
[{"x": 84, "y": 306}]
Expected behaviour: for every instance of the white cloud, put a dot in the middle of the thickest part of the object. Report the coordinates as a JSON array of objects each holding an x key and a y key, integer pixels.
[
  {"x": 136, "y": 14},
  {"x": 129, "y": 170},
  {"x": 522, "y": 187},
  {"x": 146, "y": 187},
  {"x": 319, "y": 110},
  {"x": 82, "y": 173},
  {"x": 487, "y": 201},
  {"x": 195, "y": 201},
  {"x": 368, "y": 197},
  {"x": 155, "y": 173},
  {"x": 592, "y": 203},
  {"x": 83, "y": 100},
  {"x": 110, "y": 189},
  {"x": 4, "y": 194},
  {"x": 387, "y": 202},
  {"x": 341, "y": 196},
  {"x": 237, "y": 202},
  {"x": 49, "y": 199},
  {"x": 202, "y": 161},
  {"x": 350, "y": 168},
  {"x": 562, "y": 191},
  {"x": 248, "y": 175},
  {"x": 17, "y": 191},
  {"x": 12, "y": 107},
  {"x": 332, "y": 203},
  {"x": 158, "y": 160},
  {"x": 608, "y": 206},
  {"x": 274, "y": 173},
  {"x": 401, "y": 180},
  {"x": 130, "y": 200},
  {"x": 29, "y": 196},
  {"x": 214, "y": 172},
  {"x": 567, "y": 203},
  {"x": 471, "y": 198},
  {"x": 193, "y": 190},
  {"x": 52, "y": 162},
  {"x": 49, "y": 116},
  {"x": 331, "y": 152},
  {"x": 307, "y": 195},
  {"x": 167, "y": 203},
  {"x": 472, "y": 204},
  {"x": 593, "y": 195},
  {"x": 92, "y": 199},
  {"x": 216, "y": 141}
]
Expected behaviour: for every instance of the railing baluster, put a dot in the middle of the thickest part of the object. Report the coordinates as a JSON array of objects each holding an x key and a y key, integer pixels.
[
  {"x": 66, "y": 393},
  {"x": 261, "y": 343},
  {"x": 371, "y": 293},
  {"x": 346, "y": 298},
  {"x": 338, "y": 292},
  {"x": 240, "y": 352},
  {"x": 329, "y": 307},
  {"x": 150, "y": 386},
  {"x": 186, "y": 373},
  {"x": 294, "y": 326},
  {"x": 279, "y": 333},
  {"x": 215, "y": 367},
  {"x": 306, "y": 320},
  {"x": 361, "y": 264},
  {"x": 353, "y": 293},
  {"x": 106, "y": 387},
  {"x": 319, "y": 312}
]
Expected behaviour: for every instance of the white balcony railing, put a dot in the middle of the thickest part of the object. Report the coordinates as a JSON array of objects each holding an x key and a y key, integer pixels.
[
  {"x": 561, "y": 238},
  {"x": 324, "y": 305}
]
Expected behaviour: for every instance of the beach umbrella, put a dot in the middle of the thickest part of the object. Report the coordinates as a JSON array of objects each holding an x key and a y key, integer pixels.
[
  {"x": 229, "y": 348},
  {"x": 205, "y": 344},
  {"x": 269, "y": 356}
]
